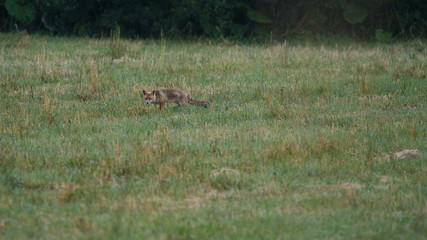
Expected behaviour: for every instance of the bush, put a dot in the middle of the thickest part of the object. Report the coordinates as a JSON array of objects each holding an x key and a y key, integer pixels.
[{"x": 217, "y": 18}]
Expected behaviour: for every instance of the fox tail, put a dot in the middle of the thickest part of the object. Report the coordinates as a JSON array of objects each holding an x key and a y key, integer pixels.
[{"x": 198, "y": 103}]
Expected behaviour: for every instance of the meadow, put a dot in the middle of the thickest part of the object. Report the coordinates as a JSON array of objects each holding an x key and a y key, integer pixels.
[{"x": 298, "y": 142}]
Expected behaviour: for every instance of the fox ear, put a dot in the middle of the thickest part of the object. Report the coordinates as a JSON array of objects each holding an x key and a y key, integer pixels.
[{"x": 144, "y": 92}]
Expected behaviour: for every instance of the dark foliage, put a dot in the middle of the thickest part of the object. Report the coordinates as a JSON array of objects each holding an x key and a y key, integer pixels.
[
  {"x": 382, "y": 19},
  {"x": 359, "y": 18}
]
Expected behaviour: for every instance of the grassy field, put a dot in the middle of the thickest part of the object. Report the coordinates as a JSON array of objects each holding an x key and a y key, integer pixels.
[{"x": 294, "y": 145}]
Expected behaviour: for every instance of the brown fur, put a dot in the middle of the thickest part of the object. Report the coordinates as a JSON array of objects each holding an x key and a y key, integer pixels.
[{"x": 179, "y": 97}]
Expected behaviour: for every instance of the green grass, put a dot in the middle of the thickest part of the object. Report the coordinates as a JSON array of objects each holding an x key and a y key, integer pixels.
[{"x": 292, "y": 147}]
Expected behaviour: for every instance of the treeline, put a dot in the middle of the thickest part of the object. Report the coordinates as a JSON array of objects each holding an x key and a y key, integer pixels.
[{"x": 381, "y": 19}]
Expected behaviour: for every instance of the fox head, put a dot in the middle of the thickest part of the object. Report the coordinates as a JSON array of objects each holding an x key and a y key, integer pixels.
[{"x": 149, "y": 97}]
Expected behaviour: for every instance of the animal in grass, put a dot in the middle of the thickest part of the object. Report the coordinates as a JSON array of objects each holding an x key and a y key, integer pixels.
[{"x": 179, "y": 97}]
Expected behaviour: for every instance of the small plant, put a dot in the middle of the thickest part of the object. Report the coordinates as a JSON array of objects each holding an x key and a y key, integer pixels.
[
  {"x": 364, "y": 85},
  {"x": 118, "y": 50},
  {"x": 93, "y": 75},
  {"x": 48, "y": 110},
  {"x": 84, "y": 92}
]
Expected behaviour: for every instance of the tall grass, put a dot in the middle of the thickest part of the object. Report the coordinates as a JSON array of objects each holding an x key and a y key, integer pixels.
[{"x": 292, "y": 146}]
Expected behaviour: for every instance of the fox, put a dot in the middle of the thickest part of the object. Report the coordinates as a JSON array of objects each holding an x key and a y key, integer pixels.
[{"x": 177, "y": 96}]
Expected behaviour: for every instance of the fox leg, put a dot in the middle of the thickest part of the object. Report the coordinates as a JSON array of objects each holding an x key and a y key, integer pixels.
[
  {"x": 184, "y": 103},
  {"x": 161, "y": 105}
]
